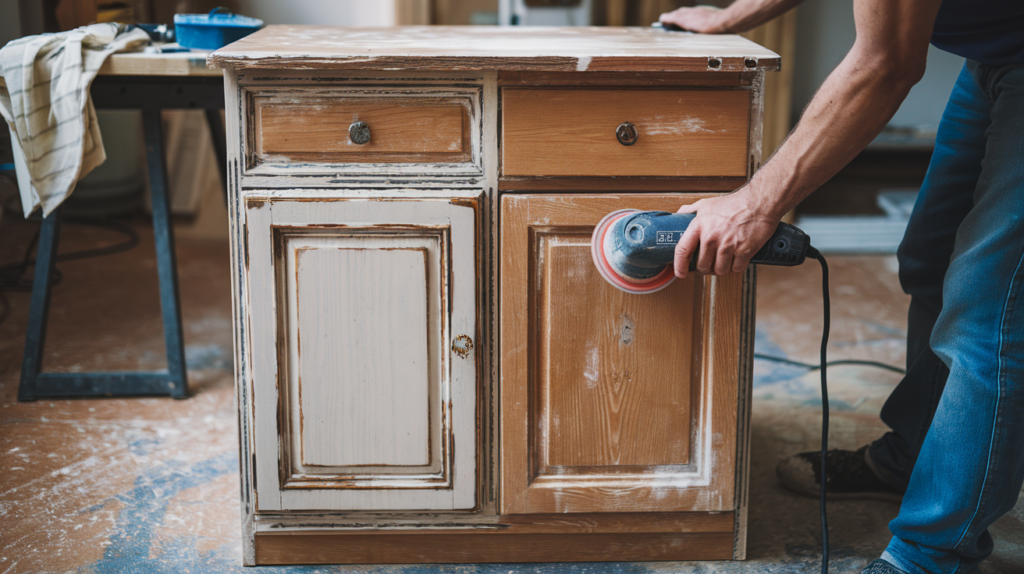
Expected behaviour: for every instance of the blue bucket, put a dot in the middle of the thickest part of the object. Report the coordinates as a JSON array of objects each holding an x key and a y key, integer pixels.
[{"x": 214, "y": 30}]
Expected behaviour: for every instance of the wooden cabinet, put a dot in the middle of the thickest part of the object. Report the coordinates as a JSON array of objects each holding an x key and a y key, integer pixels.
[{"x": 429, "y": 368}]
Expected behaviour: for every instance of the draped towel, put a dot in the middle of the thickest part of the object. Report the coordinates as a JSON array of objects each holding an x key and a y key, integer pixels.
[{"x": 49, "y": 110}]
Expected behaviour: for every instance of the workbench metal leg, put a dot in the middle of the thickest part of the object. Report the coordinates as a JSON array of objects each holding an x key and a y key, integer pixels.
[
  {"x": 220, "y": 146},
  {"x": 167, "y": 266},
  {"x": 36, "y": 384},
  {"x": 39, "y": 309}
]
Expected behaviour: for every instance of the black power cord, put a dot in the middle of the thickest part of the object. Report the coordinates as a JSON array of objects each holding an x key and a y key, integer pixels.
[
  {"x": 841, "y": 362},
  {"x": 815, "y": 254}
]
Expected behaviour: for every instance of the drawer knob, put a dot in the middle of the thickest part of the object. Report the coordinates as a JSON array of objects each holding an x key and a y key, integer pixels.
[
  {"x": 359, "y": 133},
  {"x": 627, "y": 133},
  {"x": 462, "y": 346}
]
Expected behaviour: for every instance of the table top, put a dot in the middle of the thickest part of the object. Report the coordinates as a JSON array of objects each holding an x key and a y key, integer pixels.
[
  {"x": 494, "y": 48},
  {"x": 171, "y": 64},
  {"x": 146, "y": 64}
]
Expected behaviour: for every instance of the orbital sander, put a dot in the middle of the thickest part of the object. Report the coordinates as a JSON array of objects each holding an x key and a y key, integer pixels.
[{"x": 633, "y": 250}]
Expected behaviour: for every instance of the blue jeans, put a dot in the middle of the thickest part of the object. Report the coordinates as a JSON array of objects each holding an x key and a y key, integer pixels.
[{"x": 957, "y": 418}]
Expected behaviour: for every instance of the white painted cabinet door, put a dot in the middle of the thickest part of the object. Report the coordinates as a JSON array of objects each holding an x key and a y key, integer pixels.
[{"x": 359, "y": 312}]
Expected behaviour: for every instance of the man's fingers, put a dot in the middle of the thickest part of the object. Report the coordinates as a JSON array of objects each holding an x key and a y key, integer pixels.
[
  {"x": 723, "y": 262},
  {"x": 685, "y": 249},
  {"x": 706, "y": 259},
  {"x": 741, "y": 262}
]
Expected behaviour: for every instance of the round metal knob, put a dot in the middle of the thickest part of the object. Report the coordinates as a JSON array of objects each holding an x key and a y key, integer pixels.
[
  {"x": 462, "y": 346},
  {"x": 627, "y": 133},
  {"x": 359, "y": 133}
]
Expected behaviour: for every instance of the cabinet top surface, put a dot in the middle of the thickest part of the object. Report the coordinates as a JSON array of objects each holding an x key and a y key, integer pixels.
[{"x": 494, "y": 48}]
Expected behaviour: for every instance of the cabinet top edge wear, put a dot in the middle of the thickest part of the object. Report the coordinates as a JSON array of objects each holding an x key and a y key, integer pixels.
[{"x": 494, "y": 48}]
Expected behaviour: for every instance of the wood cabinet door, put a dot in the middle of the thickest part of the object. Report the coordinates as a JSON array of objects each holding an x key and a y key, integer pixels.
[
  {"x": 361, "y": 316},
  {"x": 611, "y": 402}
]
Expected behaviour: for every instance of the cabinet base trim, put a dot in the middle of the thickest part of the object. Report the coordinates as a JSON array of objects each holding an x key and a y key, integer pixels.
[{"x": 471, "y": 547}]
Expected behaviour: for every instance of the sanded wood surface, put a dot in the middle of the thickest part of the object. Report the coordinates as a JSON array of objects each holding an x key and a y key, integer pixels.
[
  {"x": 613, "y": 378},
  {"x": 401, "y": 130},
  {"x": 572, "y": 132},
  {"x": 494, "y": 48},
  {"x": 625, "y": 79},
  {"x": 473, "y": 547},
  {"x": 571, "y": 348}
]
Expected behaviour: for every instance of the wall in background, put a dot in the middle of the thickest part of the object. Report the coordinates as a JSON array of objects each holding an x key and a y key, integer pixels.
[
  {"x": 825, "y": 32},
  {"x": 333, "y": 13},
  {"x": 9, "y": 24}
]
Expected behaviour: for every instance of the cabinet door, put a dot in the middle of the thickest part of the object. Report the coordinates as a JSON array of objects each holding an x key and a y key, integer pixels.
[
  {"x": 610, "y": 402},
  {"x": 361, "y": 402}
]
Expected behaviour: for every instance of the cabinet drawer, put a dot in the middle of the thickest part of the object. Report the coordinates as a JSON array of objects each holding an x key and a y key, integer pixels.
[
  {"x": 572, "y": 132},
  {"x": 400, "y": 129}
]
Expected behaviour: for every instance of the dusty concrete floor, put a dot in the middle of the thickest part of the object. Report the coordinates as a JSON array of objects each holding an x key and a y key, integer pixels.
[{"x": 151, "y": 485}]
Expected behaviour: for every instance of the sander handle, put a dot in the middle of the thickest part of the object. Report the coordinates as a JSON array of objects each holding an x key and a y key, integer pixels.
[{"x": 652, "y": 236}]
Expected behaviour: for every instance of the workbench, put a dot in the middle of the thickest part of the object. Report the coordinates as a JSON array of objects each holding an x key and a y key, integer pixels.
[
  {"x": 149, "y": 83},
  {"x": 429, "y": 368}
]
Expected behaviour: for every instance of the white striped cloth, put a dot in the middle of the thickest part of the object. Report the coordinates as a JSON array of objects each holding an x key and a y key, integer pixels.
[{"x": 49, "y": 110}]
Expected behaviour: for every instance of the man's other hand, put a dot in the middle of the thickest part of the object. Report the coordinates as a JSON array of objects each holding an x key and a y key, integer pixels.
[
  {"x": 703, "y": 19},
  {"x": 727, "y": 231}
]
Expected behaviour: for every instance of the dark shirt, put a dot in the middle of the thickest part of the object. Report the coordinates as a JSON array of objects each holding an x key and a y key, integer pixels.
[{"x": 987, "y": 31}]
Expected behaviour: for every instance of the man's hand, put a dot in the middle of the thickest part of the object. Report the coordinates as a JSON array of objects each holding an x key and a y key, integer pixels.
[
  {"x": 703, "y": 19},
  {"x": 728, "y": 230}
]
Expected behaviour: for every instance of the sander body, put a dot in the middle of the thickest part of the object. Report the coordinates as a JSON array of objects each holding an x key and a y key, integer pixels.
[{"x": 634, "y": 250}]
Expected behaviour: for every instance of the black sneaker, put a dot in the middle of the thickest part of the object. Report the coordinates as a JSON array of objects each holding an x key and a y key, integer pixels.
[
  {"x": 848, "y": 476},
  {"x": 878, "y": 566}
]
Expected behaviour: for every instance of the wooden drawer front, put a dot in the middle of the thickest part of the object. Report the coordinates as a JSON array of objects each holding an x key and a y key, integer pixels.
[
  {"x": 402, "y": 130},
  {"x": 360, "y": 401},
  {"x": 571, "y": 132},
  {"x": 610, "y": 402}
]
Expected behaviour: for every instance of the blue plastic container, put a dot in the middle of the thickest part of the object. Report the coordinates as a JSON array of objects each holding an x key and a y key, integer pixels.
[{"x": 214, "y": 30}]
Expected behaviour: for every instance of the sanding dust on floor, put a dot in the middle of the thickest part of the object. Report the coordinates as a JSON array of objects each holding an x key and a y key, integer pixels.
[{"x": 151, "y": 485}]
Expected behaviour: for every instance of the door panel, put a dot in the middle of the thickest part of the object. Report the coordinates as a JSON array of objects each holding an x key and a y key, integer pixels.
[
  {"x": 611, "y": 402},
  {"x": 365, "y": 302},
  {"x": 602, "y": 401},
  {"x": 359, "y": 402}
]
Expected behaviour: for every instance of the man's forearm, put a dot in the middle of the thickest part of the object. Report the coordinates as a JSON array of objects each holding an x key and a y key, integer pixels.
[{"x": 848, "y": 111}]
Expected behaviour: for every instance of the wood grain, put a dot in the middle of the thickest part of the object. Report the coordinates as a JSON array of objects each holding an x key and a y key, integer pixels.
[
  {"x": 401, "y": 130},
  {"x": 613, "y": 380},
  {"x": 625, "y": 79},
  {"x": 619, "y": 184},
  {"x": 472, "y": 547},
  {"x": 532, "y": 377},
  {"x": 493, "y": 48},
  {"x": 556, "y": 132}
]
